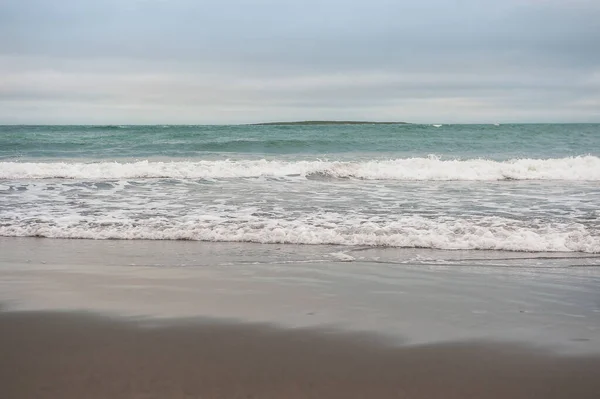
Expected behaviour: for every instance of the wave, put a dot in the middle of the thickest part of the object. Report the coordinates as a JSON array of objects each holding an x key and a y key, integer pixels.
[
  {"x": 104, "y": 127},
  {"x": 416, "y": 169},
  {"x": 492, "y": 233},
  {"x": 260, "y": 145}
]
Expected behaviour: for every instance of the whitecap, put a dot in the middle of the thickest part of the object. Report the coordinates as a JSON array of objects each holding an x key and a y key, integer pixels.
[{"x": 407, "y": 169}]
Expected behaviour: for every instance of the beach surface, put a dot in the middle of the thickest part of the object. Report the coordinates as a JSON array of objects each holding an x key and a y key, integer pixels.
[
  {"x": 66, "y": 355},
  {"x": 179, "y": 319}
]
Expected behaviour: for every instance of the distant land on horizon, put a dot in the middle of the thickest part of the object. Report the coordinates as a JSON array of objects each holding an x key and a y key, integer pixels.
[{"x": 331, "y": 123}]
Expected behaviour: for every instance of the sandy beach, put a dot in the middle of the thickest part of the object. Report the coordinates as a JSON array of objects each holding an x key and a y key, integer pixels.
[
  {"x": 69, "y": 355},
  {"x": 143, "y": 319}
]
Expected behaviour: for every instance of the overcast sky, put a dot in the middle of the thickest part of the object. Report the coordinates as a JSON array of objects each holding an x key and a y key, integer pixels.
[{"x": 239, "y": 61}]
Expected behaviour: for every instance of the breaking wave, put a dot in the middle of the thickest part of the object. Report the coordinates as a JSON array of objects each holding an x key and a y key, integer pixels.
[
  {"x": 410, "y": 233},
  {"x": 415, "y": 169}
]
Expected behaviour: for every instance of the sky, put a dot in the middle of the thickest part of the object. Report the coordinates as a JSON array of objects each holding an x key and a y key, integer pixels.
[{"x": 242, "y": 61}]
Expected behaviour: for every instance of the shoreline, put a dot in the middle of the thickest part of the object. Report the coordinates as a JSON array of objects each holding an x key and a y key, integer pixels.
[
  {"x": 181, "y": 319},
  {"x": 74, "y": 355},
  {"x": 422, "y": 296}
]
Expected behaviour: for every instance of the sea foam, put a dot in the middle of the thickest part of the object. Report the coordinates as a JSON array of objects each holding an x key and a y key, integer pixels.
[
  {"x": 492, "y": 233},
  {"x": 415, "y": 169}
]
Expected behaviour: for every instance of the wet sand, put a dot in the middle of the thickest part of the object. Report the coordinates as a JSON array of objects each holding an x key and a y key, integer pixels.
[
  {"x": 72, "y": 355},
  {"x": 417, "y": 296},
  {"x": 142, "y": 319}
]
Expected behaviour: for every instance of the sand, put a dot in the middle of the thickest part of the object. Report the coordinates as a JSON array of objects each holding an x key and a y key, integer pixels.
[
  {"x": 144, "y": 319},
  {"x": 71, "y": 355},
  {"x": 551, "y": 301}
]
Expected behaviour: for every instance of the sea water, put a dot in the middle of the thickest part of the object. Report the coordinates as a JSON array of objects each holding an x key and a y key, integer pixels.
[{"x": 527, "y": 187}]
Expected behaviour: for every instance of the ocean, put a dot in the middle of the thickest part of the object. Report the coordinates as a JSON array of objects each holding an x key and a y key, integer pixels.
[{"x": 515, "y": 187}]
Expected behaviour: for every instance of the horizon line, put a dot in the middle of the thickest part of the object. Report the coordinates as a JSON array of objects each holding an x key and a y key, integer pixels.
[{"x": 305, "y": 122}]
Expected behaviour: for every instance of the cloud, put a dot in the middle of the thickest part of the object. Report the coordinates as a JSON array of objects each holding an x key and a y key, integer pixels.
[{"x": 183, "y": 61}]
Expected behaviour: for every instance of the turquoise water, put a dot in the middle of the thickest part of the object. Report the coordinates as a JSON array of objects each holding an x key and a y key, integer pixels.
[
  {"x": 533, "y": 188},
  {"x": 464, "y": 141}
]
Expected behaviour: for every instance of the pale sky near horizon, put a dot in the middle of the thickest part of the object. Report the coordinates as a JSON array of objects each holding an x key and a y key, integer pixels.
[{"x": 242, "y": 61}]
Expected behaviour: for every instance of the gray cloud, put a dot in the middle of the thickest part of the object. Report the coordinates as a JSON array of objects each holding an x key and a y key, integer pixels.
[{"x": 236, "y": 61}]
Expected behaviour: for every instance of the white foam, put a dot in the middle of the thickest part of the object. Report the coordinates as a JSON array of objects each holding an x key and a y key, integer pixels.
[
  {"x": 490, "y": 233},
  {"x": 430, "y": 168},
  {"x": 342, "y": 256}
]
